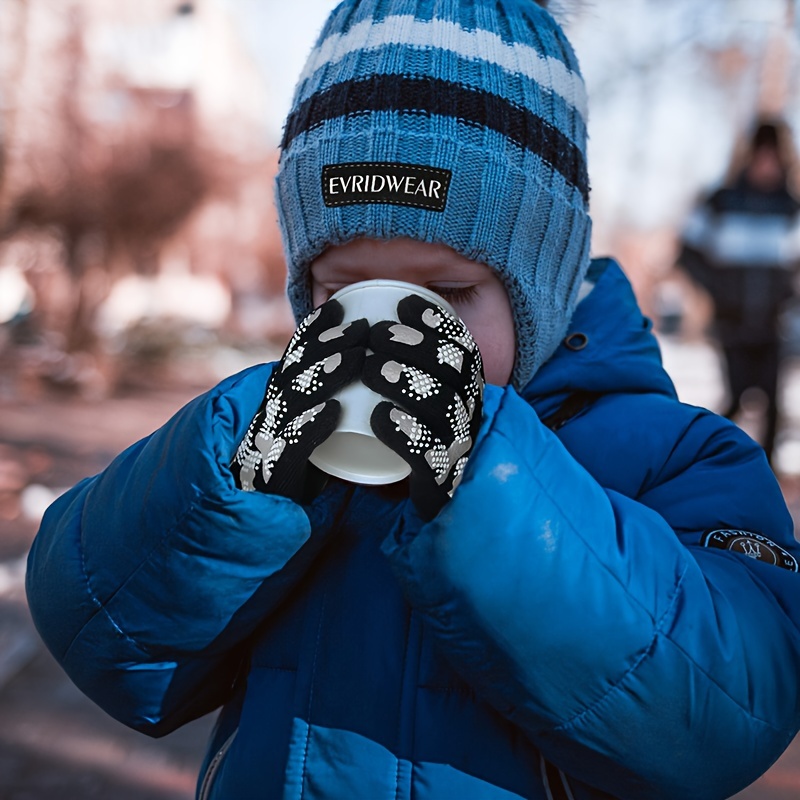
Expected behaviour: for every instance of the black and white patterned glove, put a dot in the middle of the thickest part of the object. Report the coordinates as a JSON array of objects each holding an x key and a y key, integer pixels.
[
  {"x": 297, "y": 413},
  {"x": 429, "y": 367}
]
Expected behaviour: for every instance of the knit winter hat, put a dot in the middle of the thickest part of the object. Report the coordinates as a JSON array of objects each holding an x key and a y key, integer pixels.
[{"x": 461, "y": 122}]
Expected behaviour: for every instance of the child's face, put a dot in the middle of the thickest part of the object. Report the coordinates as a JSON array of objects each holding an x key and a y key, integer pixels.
[{"x": 471, "y": 288}]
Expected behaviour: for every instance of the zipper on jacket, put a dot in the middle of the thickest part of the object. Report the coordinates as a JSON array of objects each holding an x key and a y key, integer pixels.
[
  {"x": 556, "y": 784},
  {"x": 214, "y": 766}
]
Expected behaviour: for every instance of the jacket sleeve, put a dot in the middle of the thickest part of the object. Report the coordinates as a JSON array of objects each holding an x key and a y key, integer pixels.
[
  {"x": 145, "y": 579},
  {"x": 696, "y": 266},
  {"x": 636, "y": 660},
  {"x": 692, "y": 256}
]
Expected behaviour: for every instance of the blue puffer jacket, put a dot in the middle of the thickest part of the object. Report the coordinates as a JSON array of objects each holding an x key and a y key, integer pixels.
[{"x": 566, "y": 620}]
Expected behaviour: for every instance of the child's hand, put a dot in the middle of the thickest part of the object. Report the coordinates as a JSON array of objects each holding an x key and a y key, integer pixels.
[
  {"x": 297, "y": 412},
  {"x": 429, "y": 365}
]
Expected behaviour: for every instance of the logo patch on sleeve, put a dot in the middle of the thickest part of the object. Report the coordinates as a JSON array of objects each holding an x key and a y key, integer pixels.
[
  {"x": 753, "y": 545},
  {"x": 377, "y": 182}
]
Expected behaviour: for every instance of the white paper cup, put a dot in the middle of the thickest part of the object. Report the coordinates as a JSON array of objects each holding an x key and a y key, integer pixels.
[{"x": 352, "y": 451}]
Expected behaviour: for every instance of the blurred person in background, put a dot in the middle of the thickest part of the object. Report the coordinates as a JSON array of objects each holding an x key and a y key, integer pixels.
[{"x": 741, "y": 244}]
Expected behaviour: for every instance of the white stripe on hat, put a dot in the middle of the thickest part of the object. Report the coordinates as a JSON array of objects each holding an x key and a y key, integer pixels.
[{"x": 549, "y": 72}]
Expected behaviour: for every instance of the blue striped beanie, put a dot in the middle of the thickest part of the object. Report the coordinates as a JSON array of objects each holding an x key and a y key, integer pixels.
[{"x": 461, "y": 122}]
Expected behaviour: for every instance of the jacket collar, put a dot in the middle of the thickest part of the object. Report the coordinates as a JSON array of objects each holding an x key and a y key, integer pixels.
[{"x": 609, "y": 347}]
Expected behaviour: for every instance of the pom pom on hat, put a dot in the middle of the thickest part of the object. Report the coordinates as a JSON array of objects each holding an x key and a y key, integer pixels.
[{"x": 454, "y": 121}]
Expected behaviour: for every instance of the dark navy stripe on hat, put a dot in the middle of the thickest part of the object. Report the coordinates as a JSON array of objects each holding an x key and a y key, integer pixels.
[
  {"x": 434, "y": 96},
  {"x": 548, "y": 68}
]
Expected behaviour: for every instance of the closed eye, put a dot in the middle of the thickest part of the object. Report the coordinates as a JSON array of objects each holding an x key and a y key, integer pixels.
[{"x": 456, "y": 294}]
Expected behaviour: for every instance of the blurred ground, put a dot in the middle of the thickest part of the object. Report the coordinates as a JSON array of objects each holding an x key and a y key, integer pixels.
[{"x": 56, "y": 743}]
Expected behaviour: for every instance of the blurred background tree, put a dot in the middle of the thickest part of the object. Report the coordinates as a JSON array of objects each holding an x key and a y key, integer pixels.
[
  {"x": 116, "y": 143},
  {"x": 111, "y": 202}
]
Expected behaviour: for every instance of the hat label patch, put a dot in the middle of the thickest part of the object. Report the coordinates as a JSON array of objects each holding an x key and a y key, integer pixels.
[
  {"x": 751, "y": 544},
  {"x": 364, "y": 182}
]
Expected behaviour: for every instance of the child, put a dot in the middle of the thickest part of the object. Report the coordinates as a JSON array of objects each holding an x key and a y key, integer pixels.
[{"x": 585, "y": 589}]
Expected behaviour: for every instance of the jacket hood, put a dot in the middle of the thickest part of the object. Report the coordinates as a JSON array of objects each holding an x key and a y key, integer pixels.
[{"x": 610, "y": 346}]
